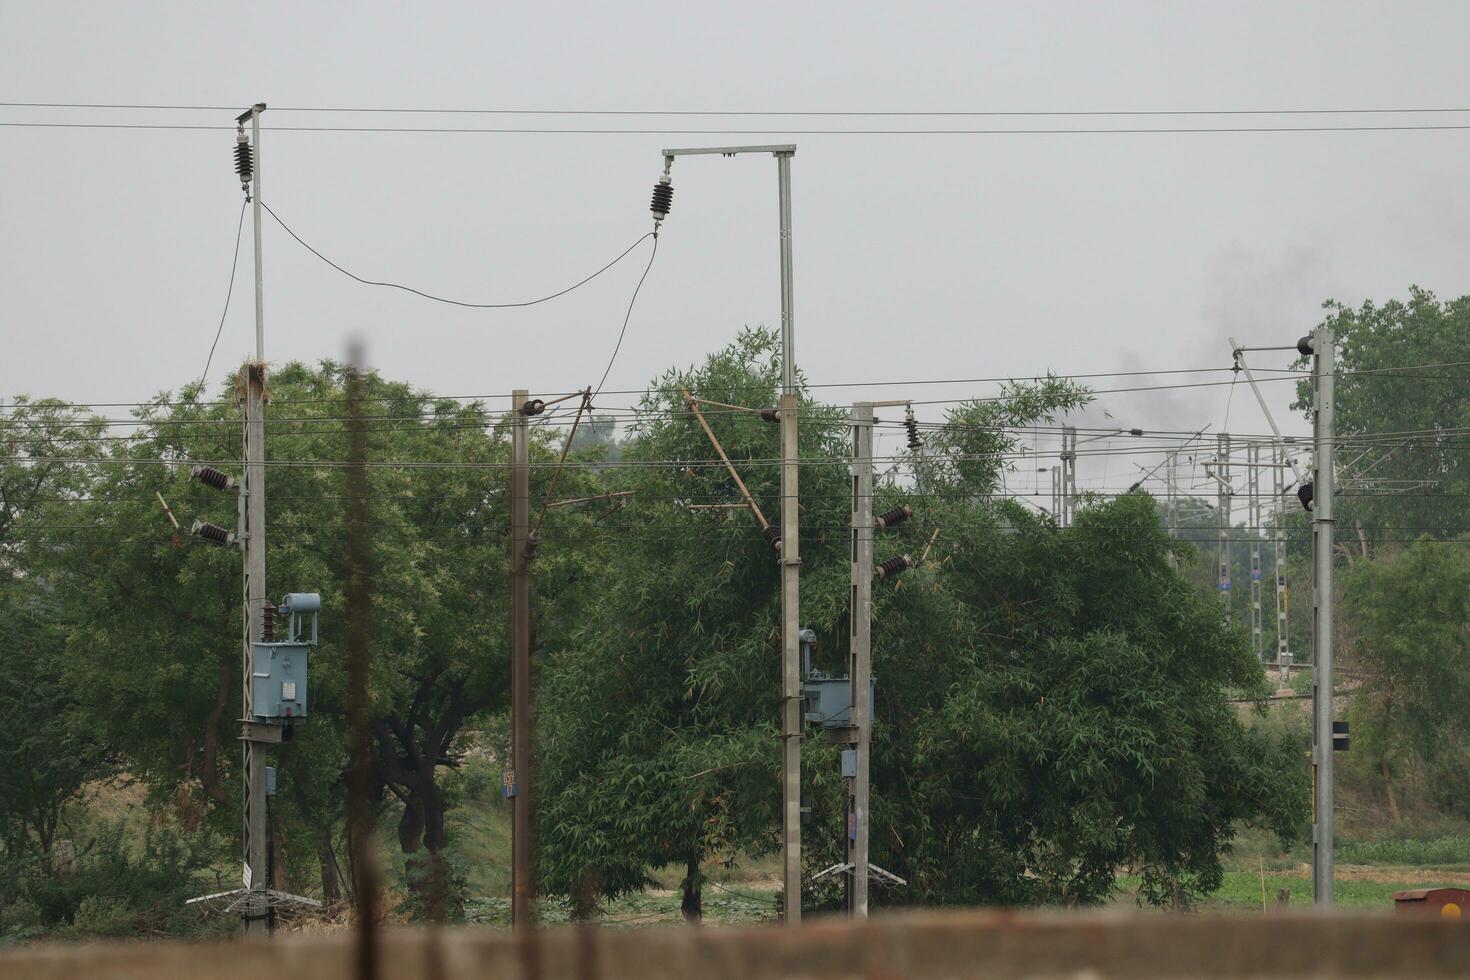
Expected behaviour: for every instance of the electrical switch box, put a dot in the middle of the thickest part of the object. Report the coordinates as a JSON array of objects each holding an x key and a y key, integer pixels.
[
  {"x": 829, "y": 699},
  {"x": 278, "y": 681}
]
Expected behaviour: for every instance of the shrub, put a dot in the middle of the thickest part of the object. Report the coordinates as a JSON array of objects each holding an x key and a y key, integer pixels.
[
  {"x": 105, "y": 915},
  {"x": 20, "y": 914}
]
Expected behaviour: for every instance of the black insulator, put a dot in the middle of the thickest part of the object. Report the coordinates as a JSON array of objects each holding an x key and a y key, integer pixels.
[
  {"x": 212, "y": 533},
  {"x": 1304, "y": 494},
  {"x": 268, "y": 624},
  {"x": 211, "y": 477},
  {"x": 244, "y": 161},
  {"x": 1304, "y": 346},
  {"x": 910, "y": 423},
  {"x": 895, "y": 516},
  {"x": 663, "y": 198},
  {"x": 533, "y": 407},
  {"x": 770, "y": 415},
  {"x": 893, "y": 566},
  {"x": 772, "y": 535},
  {"x": 1135, "y": 432}
]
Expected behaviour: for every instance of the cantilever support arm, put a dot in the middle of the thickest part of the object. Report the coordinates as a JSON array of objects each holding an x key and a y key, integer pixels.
[{"x": 693, "y": 404}]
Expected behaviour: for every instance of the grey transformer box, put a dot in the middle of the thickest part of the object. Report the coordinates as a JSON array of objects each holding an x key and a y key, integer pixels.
[{"x": 278, "y": 671}]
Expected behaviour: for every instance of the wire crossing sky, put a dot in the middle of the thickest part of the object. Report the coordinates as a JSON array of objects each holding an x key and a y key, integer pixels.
[{"x": 1105, "y": 191}]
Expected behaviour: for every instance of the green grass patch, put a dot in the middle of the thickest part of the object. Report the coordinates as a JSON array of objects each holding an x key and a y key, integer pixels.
[
  {"x": 1241, "y": 892},
  {"x": 1437, "y": 852}
]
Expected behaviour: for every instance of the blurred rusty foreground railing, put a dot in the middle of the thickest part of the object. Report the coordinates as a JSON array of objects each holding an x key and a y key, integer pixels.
[{"x": 927, "y": 946}]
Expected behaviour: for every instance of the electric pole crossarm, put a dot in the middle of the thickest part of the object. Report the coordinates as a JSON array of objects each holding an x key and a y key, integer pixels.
[
  {"x": 1239, "y": 353},
  {"x": 690, "y": 401}
]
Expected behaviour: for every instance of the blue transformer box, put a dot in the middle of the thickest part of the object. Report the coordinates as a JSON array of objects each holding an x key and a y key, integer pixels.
[
  {"x": 829, "y": 699},
  {"x": 278, "y": 681}
]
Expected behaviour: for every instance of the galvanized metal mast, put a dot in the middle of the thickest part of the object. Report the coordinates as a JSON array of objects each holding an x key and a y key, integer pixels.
[
  {"x": 518, "y": 785},
  {"x": 791, "y": 712},
  {"x": 1283, "y": 646},
  {"x": 855, "y": 830},
  {"x": 1324, "y": 360},
  {"x": 1171, "y": 482},
  {"x": 1223, "y": 502},
  {"x": 1255, "y": 510},
  {"x": 1069, "y": 476}
]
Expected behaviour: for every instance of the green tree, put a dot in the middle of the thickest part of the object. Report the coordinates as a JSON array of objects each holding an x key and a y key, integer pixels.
[
  {"x": 1398, "y": 390},
  {"x": 153, "y": 651},
  {"x": 1407, "y": 619},
  {"x": 1050, "y": 703},
  {"x": 657, "y": 734},
  {"x": 47, "y": 751}
]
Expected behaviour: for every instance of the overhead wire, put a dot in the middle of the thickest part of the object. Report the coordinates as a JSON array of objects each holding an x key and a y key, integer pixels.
[
  {"x": 444, "y": 299},
  {"x": 767, "y": 131},
  {"x": 564, "y": 111},
  {"x": 653, "y": 253},
  {"x": 234, "y": 265}
]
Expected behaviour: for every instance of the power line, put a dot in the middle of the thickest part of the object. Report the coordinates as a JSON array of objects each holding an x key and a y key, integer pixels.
[
  {"x": 1285, "y": 374},
  {"x": 455, "y": 302},
  {"x": 234, "y": 265},
  {"x": 627, "y": 316},
  {"x": 588, "y": 131},
  {"x": 855, "y": 113}
]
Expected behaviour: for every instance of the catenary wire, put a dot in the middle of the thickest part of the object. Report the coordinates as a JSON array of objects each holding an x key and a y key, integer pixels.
[
  {"x": 1285, "y": 374},
  {"x": 591, "y": 131},
  {"x": 443, "y": 299},
  {"x": 653, "y": 253},
  {"x": 234, "y": 266},
  {"x": 563, "y": 111}
]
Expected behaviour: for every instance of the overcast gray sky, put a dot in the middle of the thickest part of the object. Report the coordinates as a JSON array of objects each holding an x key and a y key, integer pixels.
[{"x": 916, "y": 257}]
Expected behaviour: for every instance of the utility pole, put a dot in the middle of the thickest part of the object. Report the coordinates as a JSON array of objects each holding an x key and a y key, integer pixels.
[
  {"x": 1324, "y": 357},
  {"x": 792, "y": 723},
  {"x": 793, "y": 726},
  {"x": 1278, "y": 533},
  {"x": 518, "y": 780},
  {"x": 256, "y": 736},
  {"x": 1171, "y": 483},
  {"x": 1223, "y": 501},
  {"x": 855, "y": 830},
  {"x": 1255, "y": 510},
  {"x": 1056, "y": 494},
  {"x": 1069, "y": 476}
]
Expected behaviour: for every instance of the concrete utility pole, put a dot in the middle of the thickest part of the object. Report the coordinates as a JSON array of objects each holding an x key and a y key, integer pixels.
[
  {"x": 1255, "y": 510},
  {"x": 794, "y": 724},
  {"x": 1324, "y": 364},
  {"x": 855, "y": 831},
  {"x": 790, "y": 539},
  {"x": 1056, "y": 493},
  {"x": 1283, "y": 647},
  {"x": 518, "y": 781},
  {"x": 1223, "y": 501},
  {"x": 256, "y": 736},
  {"x": 1069, "y": 476}
]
